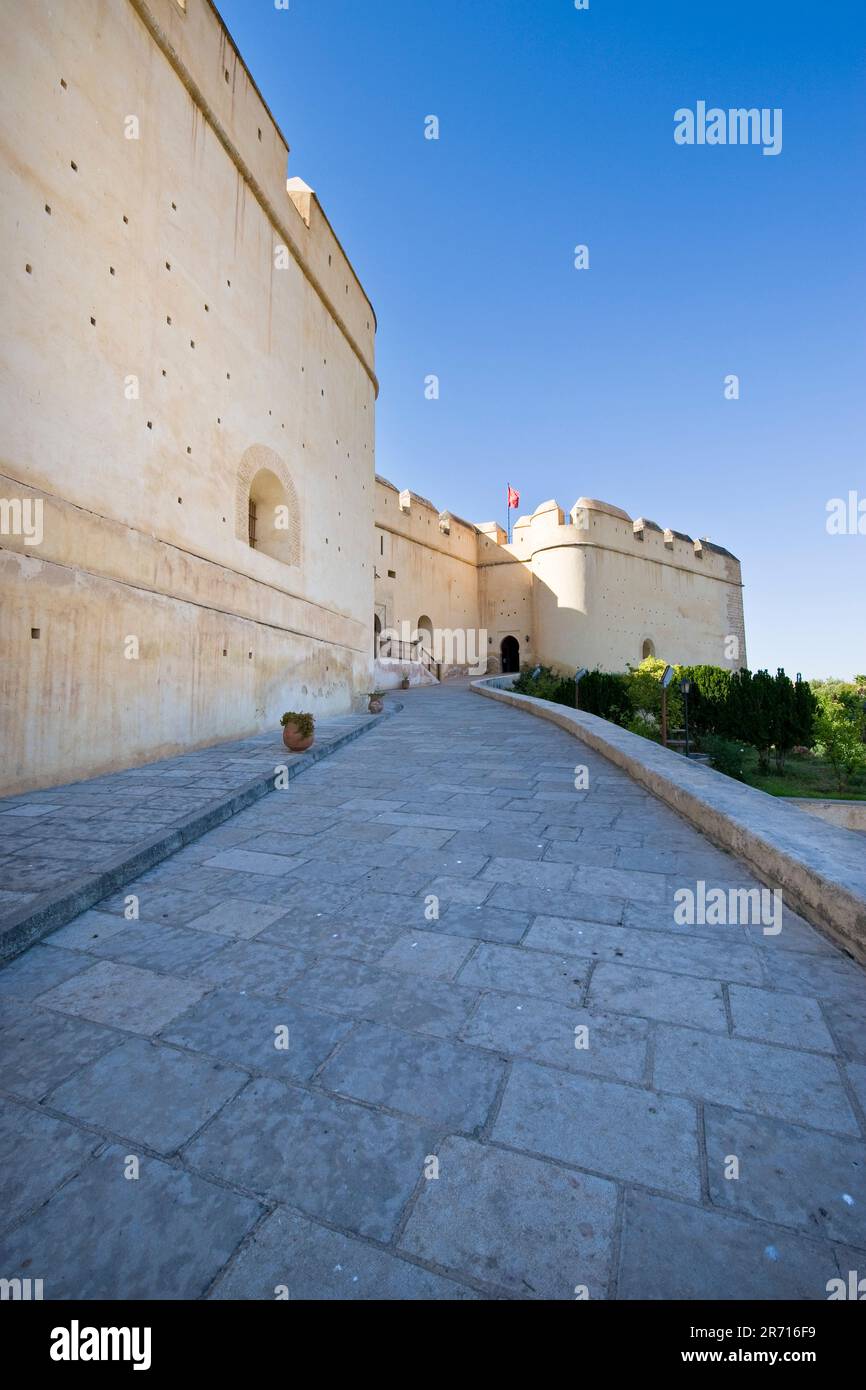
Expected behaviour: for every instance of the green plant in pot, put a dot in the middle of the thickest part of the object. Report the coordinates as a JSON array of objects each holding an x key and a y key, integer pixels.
[
  {"x": 298, "y": 731},
  {"x": 375, "y": 702}
]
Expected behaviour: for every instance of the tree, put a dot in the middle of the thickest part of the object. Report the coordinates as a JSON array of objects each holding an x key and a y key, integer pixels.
[
  {"x": 645, "y": 691},
  {"x": 839, "y": 741}
]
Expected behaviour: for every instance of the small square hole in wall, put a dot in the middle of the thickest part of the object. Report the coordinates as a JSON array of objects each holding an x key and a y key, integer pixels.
[
  {"x": 73, "y": 166},
  {"x": 174, "y": 207},
  {"x": 227, "y": 75},
  {"x": 93, "y": 320},
  {"x": 260, "y": 133},
  {"x": 126, "y": 219},
  {"x": 225, "y": 653},
  {"x": 48, "y": 208},
  {"x": 29, "y": 269},
  {"x": 111, "y": 270},
  {"x": 63, "y": 83},
  {"x": 35, "y": 634}
]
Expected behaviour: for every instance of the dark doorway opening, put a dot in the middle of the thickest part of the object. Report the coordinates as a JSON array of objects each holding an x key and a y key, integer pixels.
[{"x": 510, "y": 653}]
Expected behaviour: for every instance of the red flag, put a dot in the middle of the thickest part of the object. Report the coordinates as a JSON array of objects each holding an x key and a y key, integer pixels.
[{"x": 513, "y": 499}]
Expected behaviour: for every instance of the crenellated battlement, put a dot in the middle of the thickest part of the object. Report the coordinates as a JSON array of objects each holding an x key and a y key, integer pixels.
[{"x": 591, "y": 522}]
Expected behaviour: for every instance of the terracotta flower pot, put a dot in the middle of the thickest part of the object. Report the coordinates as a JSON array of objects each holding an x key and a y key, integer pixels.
[
  {"x": 375, "y": 705},
  {"x": 404, "y": 684},
  {"x": 293, "y": 740}
]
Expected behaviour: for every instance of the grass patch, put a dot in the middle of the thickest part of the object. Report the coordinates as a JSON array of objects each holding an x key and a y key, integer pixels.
[{"x": 807, "y": 777}]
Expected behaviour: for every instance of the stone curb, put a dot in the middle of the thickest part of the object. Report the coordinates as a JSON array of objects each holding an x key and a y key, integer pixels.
[
  {"x": 819, "y": 867},
  {"x": 54, "y": 909}
]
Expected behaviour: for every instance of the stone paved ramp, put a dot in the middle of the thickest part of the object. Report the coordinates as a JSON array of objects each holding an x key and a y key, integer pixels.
[
  {"x": 419, "y": 1044},
  {"x": 58, "y": 845}
]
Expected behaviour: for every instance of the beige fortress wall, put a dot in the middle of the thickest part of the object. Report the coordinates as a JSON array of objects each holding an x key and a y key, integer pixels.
[
  {"x": 426, "y": 567},
  {"x": 154, "y": 258},
  {"x": 589, "y": 588},
  {"x": 603, "y": 585},
  {"x": 505, "y": 596}
]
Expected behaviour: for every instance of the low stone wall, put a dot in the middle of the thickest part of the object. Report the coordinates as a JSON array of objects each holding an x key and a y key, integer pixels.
[
  {"x": 388, "y": 673},
  {"x": 849, "y": 815},
  {"x": 820, "y": 868}
]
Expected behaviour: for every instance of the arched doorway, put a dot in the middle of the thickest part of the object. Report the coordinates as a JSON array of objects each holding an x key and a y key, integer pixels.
[
  {"x": 510, "y": 654},
  {"x": 424, "y": 629},
  {"x": 377, "y": 633},
  {"x": 648, "y": 649}
]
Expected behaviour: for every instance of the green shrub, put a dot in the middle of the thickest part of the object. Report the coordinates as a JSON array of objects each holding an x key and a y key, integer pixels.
[
  {"x": 726, "y": 755},
  {"x": 605, "y": 693},
  {"x": 644, "y": 723},
  {"x": 838, "y": 728},
  {"x": 772, "y": 713},
  {"x": 850, "y": 696},
  {"x": 709, "y": 698},
  {"x": 645, "y": 691},
  {"x": 547, "y": 685}
]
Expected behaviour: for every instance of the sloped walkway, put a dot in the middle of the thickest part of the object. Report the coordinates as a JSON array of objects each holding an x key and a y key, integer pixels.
[
  {"x": 421, "y": 1026},
  {"x": 61, "y": 849}
]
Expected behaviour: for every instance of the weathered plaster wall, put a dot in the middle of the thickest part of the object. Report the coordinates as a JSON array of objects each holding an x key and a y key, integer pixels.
[
  {"x": 433, "y": 557},
  {"x": 153, "y": 345}
]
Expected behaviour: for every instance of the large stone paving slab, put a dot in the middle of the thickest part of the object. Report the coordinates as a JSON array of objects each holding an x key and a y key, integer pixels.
[
  {"x": 674, "y": 1251},
  {"x": 516, "y": 1223},
  {"x": 164, "y": 1234},
  {"x": 752, "y": 1076},
  {"x": 788, "y": 1174},
  {"x": 124, "y": 996},
  {"x": 574, "y": 1039},
  {"x": 292, "y": 1257},
  {"x": 38, "y": 1049},
  {"x": 38, "y": 970},
  {"x": 37, "y": 1152},
  {"x": 275, "y": 1038},
  {"x": 622, "y": 1131},
  {"x": 349, "y": 1165},
  {"x": 442, "y": 1082},
  {"x": 473, "y": 964},
  {"x": 152, "y": 1095}
]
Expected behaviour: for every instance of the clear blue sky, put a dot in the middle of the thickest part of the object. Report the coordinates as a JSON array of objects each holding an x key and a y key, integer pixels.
[{"x": 557, "y": 129}]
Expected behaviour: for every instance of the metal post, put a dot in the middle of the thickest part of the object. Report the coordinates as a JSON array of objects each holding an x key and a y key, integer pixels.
[{"x": 664, "y": 716}]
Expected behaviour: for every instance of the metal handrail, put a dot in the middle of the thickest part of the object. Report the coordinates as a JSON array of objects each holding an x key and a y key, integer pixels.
[{"x": 407, "y": 651}]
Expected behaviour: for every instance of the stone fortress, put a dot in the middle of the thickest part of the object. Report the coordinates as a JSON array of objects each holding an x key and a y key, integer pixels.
[
  {"x": 589, "y": 587},
  {"x": 192, "y": 535}
]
